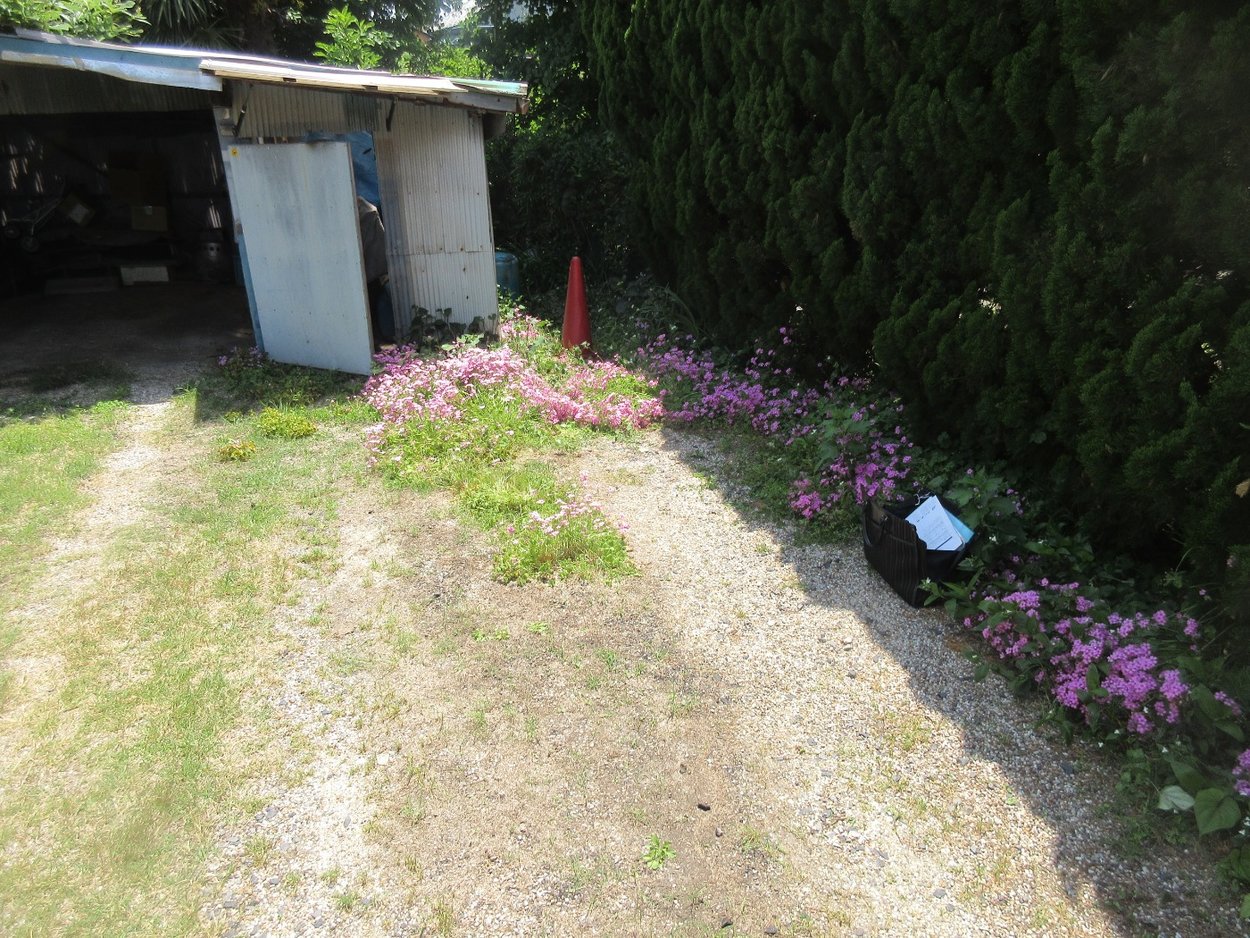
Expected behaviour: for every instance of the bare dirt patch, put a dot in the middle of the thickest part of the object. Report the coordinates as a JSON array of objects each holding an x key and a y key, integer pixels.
[{"x": 520, "y": 746}]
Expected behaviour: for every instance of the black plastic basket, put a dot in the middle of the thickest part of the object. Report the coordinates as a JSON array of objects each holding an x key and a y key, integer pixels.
[{"x": 897, "y": 552}]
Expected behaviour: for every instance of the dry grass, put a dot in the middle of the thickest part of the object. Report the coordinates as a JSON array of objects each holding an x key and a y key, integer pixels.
[{"x": 117, "y": 771}]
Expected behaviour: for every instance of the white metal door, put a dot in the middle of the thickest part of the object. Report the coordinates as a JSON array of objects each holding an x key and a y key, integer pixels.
[{"x": 295, "y": 204}]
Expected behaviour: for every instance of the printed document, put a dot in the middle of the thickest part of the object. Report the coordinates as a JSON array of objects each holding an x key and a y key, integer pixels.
[{"x": 935, "y": 525}]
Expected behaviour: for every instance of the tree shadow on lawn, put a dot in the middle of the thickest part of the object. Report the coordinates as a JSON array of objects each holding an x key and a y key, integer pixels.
[{"x": 1149, "y": 878}]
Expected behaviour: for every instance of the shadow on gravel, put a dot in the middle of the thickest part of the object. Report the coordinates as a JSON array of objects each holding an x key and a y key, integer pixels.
[{"x": 1144, "y": 885}]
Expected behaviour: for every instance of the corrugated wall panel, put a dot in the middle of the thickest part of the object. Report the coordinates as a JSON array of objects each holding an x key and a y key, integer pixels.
[
  {"x": 297, "y": 211},
  {"x": 432, "y": 174},
  {"x": 294, "y": 112},
  {"x": 465, "y": 283},
  {"x": 29, "y": 89}
]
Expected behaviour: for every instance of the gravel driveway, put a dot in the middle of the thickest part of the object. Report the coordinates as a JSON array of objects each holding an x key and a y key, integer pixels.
[{"x": 491, "y": 760}]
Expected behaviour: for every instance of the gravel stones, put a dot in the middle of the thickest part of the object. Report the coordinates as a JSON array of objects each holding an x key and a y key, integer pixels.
[
  {"x": 916, "y": 772},
  {"x": 857, "y": 765}
]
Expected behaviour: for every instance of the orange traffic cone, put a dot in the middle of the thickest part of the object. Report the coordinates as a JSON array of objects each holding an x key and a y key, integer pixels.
[{"x": 576, "y": 319}]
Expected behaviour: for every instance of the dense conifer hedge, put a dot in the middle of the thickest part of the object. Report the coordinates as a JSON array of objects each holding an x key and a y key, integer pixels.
[{"x": 1033, "y": 218}]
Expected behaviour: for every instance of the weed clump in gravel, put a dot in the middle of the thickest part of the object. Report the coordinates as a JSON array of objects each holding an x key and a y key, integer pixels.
[
  {"x": 473, "y": 420},
  {"x": 285, "y": 424}
]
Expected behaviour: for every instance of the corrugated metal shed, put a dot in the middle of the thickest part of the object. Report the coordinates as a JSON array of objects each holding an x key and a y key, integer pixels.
[
  {"x": 432, "y": 173},
  {"x": 172, "y": 68},
  {"x": 432, "y": 90},
  {"x": 34, "y": 89},
  {"x": 275, "y": 111},
  {"x": 429, "y": 135},
  {"x": 206, "y": 70},
  {"x": 303, "y": 279}
]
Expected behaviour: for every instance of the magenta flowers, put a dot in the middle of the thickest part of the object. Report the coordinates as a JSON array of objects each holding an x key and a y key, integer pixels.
[
  {"x": 855, "y": 446},
  {"x": 413, "y": 389},
  {"x": 460, "y": 420}
]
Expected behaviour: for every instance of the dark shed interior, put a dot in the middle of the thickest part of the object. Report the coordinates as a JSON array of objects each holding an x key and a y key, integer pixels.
[
  {"x": 92, "y": 201},
  {"x": 116, "y": 239}
]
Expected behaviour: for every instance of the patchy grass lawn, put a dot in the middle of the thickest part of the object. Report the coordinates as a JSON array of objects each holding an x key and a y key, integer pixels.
[
  {"x": 127, "y": 659},
  {"x": 44, "y": 462},
  {"x": 251, "y": 682},
  {"x": 148, "y": 553}
]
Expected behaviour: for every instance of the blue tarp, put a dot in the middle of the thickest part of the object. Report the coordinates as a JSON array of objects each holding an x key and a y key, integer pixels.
[{"x": 364, "y": 161}]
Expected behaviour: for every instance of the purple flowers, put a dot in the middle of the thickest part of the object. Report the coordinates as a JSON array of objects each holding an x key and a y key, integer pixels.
[
  {"x": 857, "y": 455},
  {"x": 761, "y": 395},
  {"x": 804, "y": 500},
  {"x": 1241, "y": 773},
  {"x": 1092, "y": 665},
  {"x": 1232, "y": 705}
]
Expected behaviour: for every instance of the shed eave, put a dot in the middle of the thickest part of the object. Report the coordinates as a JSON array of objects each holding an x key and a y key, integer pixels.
[
  {"x": 489, "y": 86},
  {"x": 410, "y": 87},
  {"x": 205, "y": 70},
  {"x": 115, "y": 62}
]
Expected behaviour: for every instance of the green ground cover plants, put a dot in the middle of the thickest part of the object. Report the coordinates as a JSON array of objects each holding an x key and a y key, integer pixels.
[
  {"x": 475, "y": 420},
  {"x": 247, "y": 379},
  {"x": 285, "y": 424}
]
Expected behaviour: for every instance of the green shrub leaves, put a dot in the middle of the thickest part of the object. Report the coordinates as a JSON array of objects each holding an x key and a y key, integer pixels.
[{"x": 1030, "y": 221}]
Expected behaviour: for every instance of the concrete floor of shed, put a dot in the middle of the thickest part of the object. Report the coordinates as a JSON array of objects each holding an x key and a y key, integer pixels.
[{"x": 160, "y": 334}]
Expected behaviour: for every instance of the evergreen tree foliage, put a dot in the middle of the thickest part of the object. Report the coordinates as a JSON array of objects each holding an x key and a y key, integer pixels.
[
  {"x": 541, "y": 43},
  {"x": 557, "y": 176},
  {"x": 1031, "y": 219}
]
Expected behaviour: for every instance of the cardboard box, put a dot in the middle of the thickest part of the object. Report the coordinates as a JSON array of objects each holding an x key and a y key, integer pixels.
[
  {"x": 149, "y": 218},
  {"x": 144, "y": 273}
]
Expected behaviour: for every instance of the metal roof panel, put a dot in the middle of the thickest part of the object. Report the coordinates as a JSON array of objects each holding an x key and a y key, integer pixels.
[
  {"x": 157, "y": 67},
  {"x": 204, "y": 70},
  {"x": 383, "y": 83}
]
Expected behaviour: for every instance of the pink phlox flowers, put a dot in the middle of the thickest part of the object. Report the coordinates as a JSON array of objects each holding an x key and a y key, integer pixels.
[
  {"x": 441, "y": 388},
  {"x": 566, "y": 513}
]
